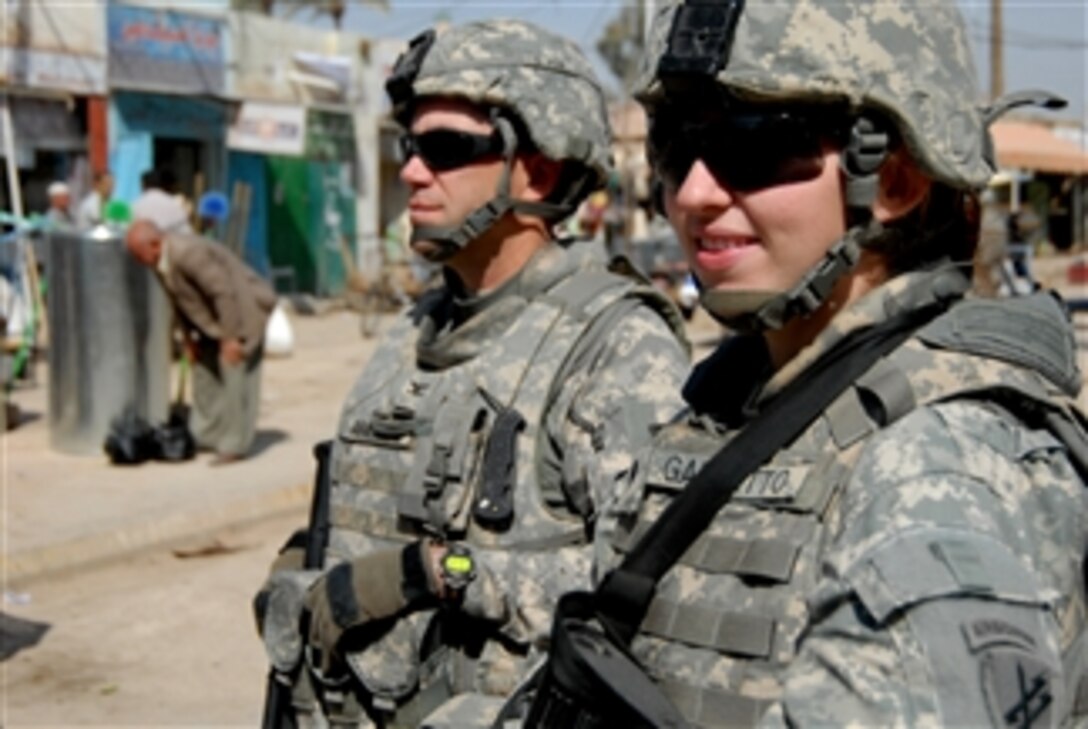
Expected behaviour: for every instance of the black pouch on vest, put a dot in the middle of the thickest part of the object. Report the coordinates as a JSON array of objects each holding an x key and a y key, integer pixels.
[{"x": 591, "y": 682}]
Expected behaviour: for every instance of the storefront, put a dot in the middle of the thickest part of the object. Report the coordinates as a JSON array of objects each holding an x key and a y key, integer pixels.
[
  {"x": 53, "y": 75},
  {"x": 293, "y": 149},
  {"x": 298, "y": 166},
  {"x": 1044, "y": 169},
  {"x": 167, "y": 72}
]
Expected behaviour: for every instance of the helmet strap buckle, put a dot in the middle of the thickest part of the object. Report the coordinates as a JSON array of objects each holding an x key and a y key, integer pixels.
[{"x": 860, "y": 162}]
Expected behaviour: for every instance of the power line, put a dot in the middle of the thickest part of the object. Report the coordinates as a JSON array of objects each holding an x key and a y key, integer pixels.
[
  {"x": 1035, "y": 45},
  {"x": 980, "y": 31}
]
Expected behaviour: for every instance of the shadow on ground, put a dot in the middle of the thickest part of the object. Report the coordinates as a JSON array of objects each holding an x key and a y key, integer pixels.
[{"x": 265, "y": 439}]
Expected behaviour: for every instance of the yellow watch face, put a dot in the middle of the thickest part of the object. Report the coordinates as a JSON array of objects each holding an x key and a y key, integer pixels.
[{"x": 458, "y": 563}]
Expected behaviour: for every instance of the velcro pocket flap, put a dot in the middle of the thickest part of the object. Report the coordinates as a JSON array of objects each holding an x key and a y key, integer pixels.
[
  {"x": 1032, "y": 443},
  {"x": 931, "y": 563}
]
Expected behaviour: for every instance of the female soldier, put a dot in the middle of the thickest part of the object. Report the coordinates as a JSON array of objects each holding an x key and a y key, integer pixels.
[{"x": 888, "y": 522}]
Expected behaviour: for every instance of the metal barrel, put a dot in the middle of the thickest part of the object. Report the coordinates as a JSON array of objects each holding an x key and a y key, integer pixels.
[{"x": 109, "y": 330}]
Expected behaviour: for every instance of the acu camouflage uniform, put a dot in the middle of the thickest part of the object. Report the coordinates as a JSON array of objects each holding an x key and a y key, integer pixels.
[
  {"x": 589, "y": 360},
  {"x": 589, "y": 375},
  {"x": 906, "y": 558},
  {"x": 917, "y": 556}
]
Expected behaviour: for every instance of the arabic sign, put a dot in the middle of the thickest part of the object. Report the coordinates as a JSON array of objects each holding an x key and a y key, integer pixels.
[{"x": 164, "y": 50}]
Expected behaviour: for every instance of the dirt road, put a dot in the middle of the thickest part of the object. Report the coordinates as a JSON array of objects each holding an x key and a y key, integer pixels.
[{"x": 155, "y": 641}]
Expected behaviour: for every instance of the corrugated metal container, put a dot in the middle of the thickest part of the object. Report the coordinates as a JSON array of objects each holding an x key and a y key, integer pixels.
[{"x": 109, "y": 329}]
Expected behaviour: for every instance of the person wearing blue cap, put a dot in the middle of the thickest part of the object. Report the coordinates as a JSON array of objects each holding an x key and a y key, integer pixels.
[{"x": 212, "y": 210}]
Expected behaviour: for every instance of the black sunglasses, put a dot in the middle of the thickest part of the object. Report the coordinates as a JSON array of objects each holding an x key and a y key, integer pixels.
[
  {"x": 745, "y": 151},
  {"x": 448, "y": 149}
]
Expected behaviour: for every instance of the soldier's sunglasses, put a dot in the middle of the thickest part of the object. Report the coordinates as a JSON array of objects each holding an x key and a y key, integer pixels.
[
  {"x": 745, "y": 151},
  {"x": 448, "y": 149}
]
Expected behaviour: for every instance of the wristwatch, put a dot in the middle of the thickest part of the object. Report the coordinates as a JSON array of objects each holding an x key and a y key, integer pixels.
[{"x": 458, "y": 568}]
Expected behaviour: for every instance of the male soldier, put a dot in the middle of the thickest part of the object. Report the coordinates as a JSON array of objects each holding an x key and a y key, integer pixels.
[
  {"x": 874, "y": 512},
  {"x": 485, "y": 432},
  {"x": 222, "y": 306}
]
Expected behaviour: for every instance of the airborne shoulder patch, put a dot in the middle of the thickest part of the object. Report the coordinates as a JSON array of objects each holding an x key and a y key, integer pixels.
[{"x": 1017, "y": 688}]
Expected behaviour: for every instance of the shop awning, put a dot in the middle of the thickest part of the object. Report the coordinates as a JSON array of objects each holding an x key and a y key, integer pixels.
[
  {"x": 1033, "y": 146},
  {"x": 46, "y": 124}
]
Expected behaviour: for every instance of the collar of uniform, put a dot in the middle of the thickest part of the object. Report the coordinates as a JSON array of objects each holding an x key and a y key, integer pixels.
[
  {"x": 460, "y": 327},
  {"x": 542, "y": 271},
  {"x": 903, "y": 293},
  {"x": 723, "y": 383},
  {"x": 464, "y": 305}
]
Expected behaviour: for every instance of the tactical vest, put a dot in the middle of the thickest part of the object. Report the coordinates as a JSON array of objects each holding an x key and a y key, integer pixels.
[
  {"x": 733, "y": 609},
  {"x": 409, "y": 457},
  {"x": 414, "y": 453}
]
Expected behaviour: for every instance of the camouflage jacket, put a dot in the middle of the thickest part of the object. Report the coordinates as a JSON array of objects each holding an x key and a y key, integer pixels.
[
  {"x": 590, "y": 361},
  {"x": 913, "y": 558}
]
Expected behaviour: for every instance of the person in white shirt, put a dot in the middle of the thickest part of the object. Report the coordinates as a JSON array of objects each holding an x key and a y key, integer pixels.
[
  {"x": 159, "y": 206},
  {"x": 90, "y": 209}
]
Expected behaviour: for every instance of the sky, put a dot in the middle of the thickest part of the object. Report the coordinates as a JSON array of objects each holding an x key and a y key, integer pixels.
[{"x": 1046, "y": 41}]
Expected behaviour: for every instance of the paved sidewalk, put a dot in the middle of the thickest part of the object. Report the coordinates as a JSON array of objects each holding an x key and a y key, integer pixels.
[{"x": 60, "y": 512}]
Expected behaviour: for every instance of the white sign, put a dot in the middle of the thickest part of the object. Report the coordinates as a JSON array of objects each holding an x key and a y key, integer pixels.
[
  {"x": 54, "y": 45},
  {"x": 269, "y": 129},
  {"x": 48, "y": 70}
]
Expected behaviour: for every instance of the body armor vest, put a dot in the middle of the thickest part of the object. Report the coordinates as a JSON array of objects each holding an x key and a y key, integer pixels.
[
  {"x": 726, "y": 620},
  {"x": 427, "y": 446},
  {"x": 409, "y": 460}
]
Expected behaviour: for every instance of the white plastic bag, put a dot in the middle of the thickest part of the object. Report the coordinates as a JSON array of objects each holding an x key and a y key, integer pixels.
[{"x": 279, "y": 340}]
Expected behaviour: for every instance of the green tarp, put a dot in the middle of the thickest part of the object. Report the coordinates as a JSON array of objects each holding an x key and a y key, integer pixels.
[{"x": 311, "y": 222}]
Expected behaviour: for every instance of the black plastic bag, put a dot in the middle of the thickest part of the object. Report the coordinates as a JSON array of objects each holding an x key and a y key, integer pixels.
[
  {"x": 17, "y": 634},
  {"x": 173, "y": 438},
  {"x": 131, "y": 439}
]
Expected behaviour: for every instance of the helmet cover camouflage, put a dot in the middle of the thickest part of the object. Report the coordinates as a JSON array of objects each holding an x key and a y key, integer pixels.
[
  {"x": 543, "y": 78},
  {"x": 907, "y": 60}
]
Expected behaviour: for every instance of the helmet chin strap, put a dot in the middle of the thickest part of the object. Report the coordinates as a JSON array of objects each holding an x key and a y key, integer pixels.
[
  {"x": 755, "y": 311},
  {"x": 448, "y": 240}
]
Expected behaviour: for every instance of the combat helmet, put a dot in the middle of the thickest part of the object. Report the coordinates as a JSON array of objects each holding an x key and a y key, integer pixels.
[
  {"x": 529, "y": 79},
  {"x": 896, "y": 69}
]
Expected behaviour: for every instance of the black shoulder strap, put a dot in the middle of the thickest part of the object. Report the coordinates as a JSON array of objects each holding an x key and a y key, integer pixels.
[{"x": 625, "y": 593}]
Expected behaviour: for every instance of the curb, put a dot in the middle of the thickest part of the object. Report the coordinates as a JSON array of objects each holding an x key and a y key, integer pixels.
[{"x": 96, "y": 549}]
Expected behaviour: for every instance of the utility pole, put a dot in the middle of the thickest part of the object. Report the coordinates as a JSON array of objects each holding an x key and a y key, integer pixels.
[
  {"x": 997, "y": 56},
  {"x": 15, "y": 193},
  {"x": 647, "y": 19}
]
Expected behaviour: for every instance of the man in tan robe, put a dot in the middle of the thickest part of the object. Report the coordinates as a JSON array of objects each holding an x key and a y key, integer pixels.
[{"x": 222, "y": 306}]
